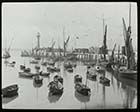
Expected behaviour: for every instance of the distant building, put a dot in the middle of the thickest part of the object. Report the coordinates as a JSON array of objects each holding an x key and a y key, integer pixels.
[
  {"x": 94, "y": 50},
  {"x": 103, "y": 50},
  {"x": 81, "y": 50}
]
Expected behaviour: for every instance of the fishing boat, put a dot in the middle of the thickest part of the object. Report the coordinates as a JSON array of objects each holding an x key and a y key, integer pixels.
[
  {"x": 58, "y": 78},
  {"x": 6, "y": 100},
  {"x": 26, "y": 74},
  {"x": 37, "y": 67},
  {"x": 55, "y": 88},
  {"x": 37, "y": 58},
  {"x": 130, "y": 71},
  {"x": 11, "y": 64},
  {"x": 53, "y": 69},
  {"x": 70, "y": 69},
  {"x": 44, "y": 63},
  {"x": 91, "y": 76},
  {"x": 10, "y": 91},
  {"x": 22, "y": 67},
  {"x": 51, "y": 62},
  {"x": 25, "y": 54},
  {"x": 104, "y": 80},
  {"x": 82, "y": 89},
  {"x": 111, "y": 61},
  {"x": 34, "y": 62},
  {"x": 99, "y": 69},
  {"x": 27, "y": 70},
  {"x": 131, "y": 74},
  {"x": 45, "y": 74},
  {"x": 37, "y": 79},
  {"x": 77, "y": 79},
  {"x": 6, "y": 55}
]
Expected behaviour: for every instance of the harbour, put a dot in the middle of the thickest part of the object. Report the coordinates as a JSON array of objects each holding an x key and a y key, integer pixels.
[
  {"x": 43, "y": 72},
  {"x": 125, "y": 94}
]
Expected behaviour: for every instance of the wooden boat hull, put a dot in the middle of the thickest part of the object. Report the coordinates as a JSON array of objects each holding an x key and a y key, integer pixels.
[
  {"x": 45, "y": 74},
  {"x": 34, "y": 62},
  {"x": 53, "y": 69},
  {"x": 58, "y": 78},
  {"x": 10, "y": 91},
  {"x": 53, "y": 98},
  {"x": 22, "y": 67},
  {"x": 37, "y": 58},
  {"x": 26, "y": 75},
  {"x": 52, "y": 64},
  {"x": 55, "y": 91},
  {"x": 44, "y": 64},
  {"x": 55, "y": 88},
  {"x": 67, "y": 66},
  {"x": 99, "y": 69},
  {"x": 128, "y": 74},
  {"x": 82, "y": 90},
  {"x": 104, "y": 81},
  {"x": 38, "y": 80},
  {"x": 5, "y": 57},
  {"x": 6, "y": 100},
  {"x": 77, "y": 79},
  {"x": 91, "y": 77},
  {"x": 27, "y": 70},
  {"x": 70, "y": 70},
  {"x": 37, "y": 85},
  {"x": 11, "y": 65}
]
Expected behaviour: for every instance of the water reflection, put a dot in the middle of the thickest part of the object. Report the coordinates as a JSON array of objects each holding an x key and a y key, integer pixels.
[
  {"x": 6, "y": 100},
  {"x": 129, "y": 96},
  {"x": 25, "y": 78},
  {"x": 53, "y": 98},
  {"x": 128, "y": 90},
  {"x": 103, "y": 94},
  {"x": 122, "y": 92},
  {"x": 82, "y": 98}
]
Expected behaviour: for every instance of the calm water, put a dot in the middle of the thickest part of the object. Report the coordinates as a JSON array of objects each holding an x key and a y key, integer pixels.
[{"x": 120, "y": 94}]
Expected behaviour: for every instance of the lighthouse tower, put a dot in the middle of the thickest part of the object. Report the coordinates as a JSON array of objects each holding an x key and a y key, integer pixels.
[{"x": 38, "y": 40}]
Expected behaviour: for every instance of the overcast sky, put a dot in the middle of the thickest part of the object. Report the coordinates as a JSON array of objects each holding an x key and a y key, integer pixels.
[{"x": 22, "y": 21}]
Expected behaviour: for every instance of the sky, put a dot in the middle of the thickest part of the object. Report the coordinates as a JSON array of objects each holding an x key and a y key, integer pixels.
[{"x": 22, "y": 21}]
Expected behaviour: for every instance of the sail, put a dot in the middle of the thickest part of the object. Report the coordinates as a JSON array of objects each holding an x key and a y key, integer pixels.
[
  {"x": 105, "y": 46},
  {"x": 132, "y": 56},
  {"x": 125, "y": 35},
  {"x": 112, "y": 56}
]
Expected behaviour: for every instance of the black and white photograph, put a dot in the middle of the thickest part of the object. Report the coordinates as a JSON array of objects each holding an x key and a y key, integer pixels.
[{"x": 69, "y": 55}]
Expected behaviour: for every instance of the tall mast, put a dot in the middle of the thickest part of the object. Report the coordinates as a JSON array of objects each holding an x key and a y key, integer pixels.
[
  {"x": 103, "y": 24},
  {"x": 130, "y": 14},
  {"x": 64, "y": 39},
  {"x": 128, "y": 39}
]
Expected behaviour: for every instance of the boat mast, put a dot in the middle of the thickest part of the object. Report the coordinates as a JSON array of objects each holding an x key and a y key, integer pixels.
[
  {"x": 130, "y": 14},
  {"x": 128, "y": 39},
  {"x": 64, "y": 40},
  {"x": 119, "y": 54}
]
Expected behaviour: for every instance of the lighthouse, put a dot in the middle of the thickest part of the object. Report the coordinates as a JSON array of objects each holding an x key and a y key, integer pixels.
[{"x": 38, "y": 40}]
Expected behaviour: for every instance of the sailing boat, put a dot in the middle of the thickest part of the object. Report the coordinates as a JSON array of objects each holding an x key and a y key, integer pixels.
[
  {"x": 130, "y": 71},
  {"x": 6, "y": 54},
  {"x": 83, "y": 88}
]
